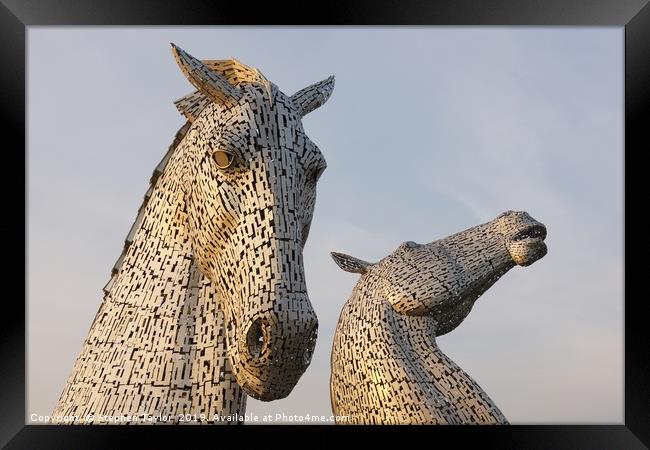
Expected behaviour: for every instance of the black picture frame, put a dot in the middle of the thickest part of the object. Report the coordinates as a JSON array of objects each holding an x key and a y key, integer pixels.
[{"x": 634, "y": 15}]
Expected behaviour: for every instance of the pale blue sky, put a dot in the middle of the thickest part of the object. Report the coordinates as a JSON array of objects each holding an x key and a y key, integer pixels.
[{"x": 430, "y": 130}]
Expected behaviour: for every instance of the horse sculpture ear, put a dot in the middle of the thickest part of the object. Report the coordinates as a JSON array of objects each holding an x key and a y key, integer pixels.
[
  {"x": 314, "y": 96},
  {"x": 209, "y": 82},
  {"x": 350, "y": 263},
  {"x": 191, "y": 105}
]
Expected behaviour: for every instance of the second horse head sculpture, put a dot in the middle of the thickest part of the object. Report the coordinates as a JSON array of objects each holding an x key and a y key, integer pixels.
[{"x": 386, "y": 365}]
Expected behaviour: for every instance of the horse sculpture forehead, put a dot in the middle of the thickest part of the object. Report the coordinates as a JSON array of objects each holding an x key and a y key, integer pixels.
[
  {"x": 269, "y": 116},
  {"x": 263, "y": 118},
  {"x": 267, "y": 137}
]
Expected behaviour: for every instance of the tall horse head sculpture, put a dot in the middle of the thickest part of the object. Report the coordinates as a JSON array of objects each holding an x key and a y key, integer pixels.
[
  {"x": 209, "y": 295},
  {"x": 250, "y": 193}
]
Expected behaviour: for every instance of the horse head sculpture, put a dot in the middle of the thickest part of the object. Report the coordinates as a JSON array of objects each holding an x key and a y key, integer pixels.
[
  {"x": 208, "y": 299},
  {"x": 386, "y": 365},
  {"x": 250, "y": 189}
]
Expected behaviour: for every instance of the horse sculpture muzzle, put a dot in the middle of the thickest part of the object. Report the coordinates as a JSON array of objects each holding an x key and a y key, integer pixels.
[
  {"x": 276, "y": 349},
  {"x": 526, "y": 245}
]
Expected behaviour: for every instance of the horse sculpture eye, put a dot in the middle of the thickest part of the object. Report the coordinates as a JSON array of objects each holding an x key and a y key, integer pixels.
[{"x": 223, "y": 158}]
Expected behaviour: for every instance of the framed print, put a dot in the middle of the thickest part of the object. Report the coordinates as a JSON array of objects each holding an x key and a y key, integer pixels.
[{"x": 501, "y": 131}]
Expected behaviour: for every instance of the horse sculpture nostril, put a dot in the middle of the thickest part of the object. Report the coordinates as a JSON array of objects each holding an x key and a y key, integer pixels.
[{"x": 257, "y": 338}]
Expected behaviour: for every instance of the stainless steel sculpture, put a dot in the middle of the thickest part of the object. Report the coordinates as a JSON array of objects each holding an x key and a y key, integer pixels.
[
  {"x": 208, "y": 300},
  {"x": 386, "y": 365}
]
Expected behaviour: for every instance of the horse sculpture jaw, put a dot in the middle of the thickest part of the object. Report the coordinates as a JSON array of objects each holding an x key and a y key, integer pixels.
[{"x": 270, "y": 323}]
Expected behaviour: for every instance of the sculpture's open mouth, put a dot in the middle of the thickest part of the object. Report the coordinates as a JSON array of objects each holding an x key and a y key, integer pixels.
[
  {"x": 527, "y": 246},
  {"x": 530, "y": 233}
]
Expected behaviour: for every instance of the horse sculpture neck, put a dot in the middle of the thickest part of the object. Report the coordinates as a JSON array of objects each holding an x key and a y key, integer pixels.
[
  {"x": 160, "y": 327},
  {"x": 403, "y": 376}
]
